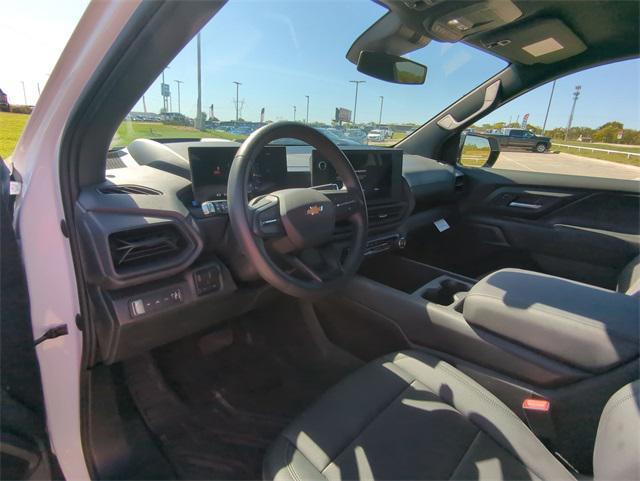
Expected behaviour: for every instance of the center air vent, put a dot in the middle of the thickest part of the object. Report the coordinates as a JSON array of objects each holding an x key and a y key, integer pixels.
[
  {"x": 145, "y": 246},
  {"x": 128, "y": 189},
  {"x": 385, "y": 214}
]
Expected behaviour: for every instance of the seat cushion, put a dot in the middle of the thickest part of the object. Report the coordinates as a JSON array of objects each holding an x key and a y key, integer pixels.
[{"x": 409, "y": 415}]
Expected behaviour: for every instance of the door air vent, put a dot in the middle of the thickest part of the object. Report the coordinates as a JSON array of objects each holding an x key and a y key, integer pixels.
[
  {"x": 129, "y": 190},
  {"x": 145, "y": 246}
]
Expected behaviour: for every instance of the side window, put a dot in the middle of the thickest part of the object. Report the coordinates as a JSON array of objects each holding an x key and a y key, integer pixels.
[{"x": 587, "y": 123}]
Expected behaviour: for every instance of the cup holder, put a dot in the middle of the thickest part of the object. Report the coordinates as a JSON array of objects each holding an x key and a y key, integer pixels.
[{"x": 444, "y": 290}]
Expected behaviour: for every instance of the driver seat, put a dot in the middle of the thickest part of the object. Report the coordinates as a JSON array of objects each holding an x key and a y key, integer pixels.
[{"x": 412, "y": 416}]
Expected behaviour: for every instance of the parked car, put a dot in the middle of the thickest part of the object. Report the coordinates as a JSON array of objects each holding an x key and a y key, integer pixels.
[
  {"x": 358, "y": 135},
  {"x": 378, "y": 135},
  {"x": 523, "y": 139},
  {"x": 4, "y": 102}
]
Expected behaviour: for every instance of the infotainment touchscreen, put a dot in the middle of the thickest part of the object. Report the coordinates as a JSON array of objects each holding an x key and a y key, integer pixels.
[
  {"x": 379, "y": 171},
  {"x": 210, "y": 171}
]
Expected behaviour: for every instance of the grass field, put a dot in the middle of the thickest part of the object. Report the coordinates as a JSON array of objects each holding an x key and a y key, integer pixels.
[
  {"x": 129, "y": 131},
  {"x": 611, "y": 157},
  {"x": 11, "y": 127}
]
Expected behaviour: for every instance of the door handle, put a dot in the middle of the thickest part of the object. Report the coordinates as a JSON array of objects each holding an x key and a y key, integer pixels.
[{"x": 524, "y": 205}]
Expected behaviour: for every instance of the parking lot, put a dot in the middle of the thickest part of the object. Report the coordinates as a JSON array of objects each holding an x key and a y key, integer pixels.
[{"x": 569, "y": 164}]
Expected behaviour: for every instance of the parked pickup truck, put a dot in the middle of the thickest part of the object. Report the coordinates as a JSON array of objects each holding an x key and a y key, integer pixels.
[{"x": 522, "y": 139}]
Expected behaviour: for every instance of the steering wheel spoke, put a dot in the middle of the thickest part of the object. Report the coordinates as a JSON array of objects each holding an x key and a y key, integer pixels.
[
  {"x": 264, "y": 213},
  {"x": 346, "y": 204},
  {"x": 301, "y": 266}
]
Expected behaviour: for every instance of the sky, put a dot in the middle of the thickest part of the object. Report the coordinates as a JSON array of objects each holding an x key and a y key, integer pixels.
[{"x": 282, "y": 51}]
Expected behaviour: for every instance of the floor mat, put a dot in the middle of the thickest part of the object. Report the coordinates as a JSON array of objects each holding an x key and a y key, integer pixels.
[{"x": 215, "y": 410}]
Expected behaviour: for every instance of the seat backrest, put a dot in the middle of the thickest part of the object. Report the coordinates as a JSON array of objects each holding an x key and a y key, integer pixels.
[
  {"x": 629, "y": 278},
  {"x": 616, "y": 456}
]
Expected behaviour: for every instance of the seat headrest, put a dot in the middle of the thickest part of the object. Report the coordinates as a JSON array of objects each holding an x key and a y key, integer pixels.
[{"x": 616, "y": 456}]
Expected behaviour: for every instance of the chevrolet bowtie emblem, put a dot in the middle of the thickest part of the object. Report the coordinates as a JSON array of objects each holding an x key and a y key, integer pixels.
[{"x": 315, "y": 209}]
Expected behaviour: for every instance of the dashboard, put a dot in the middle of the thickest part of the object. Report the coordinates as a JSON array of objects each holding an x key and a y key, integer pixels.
[{"x": 153, "y": 253}]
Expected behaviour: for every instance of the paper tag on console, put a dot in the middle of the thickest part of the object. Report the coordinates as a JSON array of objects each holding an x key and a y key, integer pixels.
[{"x": 441, "y": 225}]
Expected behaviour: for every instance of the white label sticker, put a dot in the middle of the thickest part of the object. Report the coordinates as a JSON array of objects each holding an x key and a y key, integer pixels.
[
  {"x": 441, "y": 225},
  {"x": 14, "y": 188}
]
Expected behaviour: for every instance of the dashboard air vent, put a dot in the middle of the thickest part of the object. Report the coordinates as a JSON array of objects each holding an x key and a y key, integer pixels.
[
  {"x": 129, "y": 190},
  {"x": 114, "y": 160},
  {"x": 144, "y": 246}
]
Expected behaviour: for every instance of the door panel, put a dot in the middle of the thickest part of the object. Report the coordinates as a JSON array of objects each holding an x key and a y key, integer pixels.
[{"x": 576, "y": 227}]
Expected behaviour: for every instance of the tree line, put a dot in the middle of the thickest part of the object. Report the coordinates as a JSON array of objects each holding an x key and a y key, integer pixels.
[{"x": 606, "y": 133}]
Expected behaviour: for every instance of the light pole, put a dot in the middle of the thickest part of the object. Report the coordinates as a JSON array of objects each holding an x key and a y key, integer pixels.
[
  {"x": 355, "y": 104},
  {"x": 307, "y": 108},
  {"x": 294, "y": 113},
  {"x": 24, "y": 92},
  {"x": 546, "y": 116},
  {"x": 380, "y": 118},
  {"x": 576, "y": 94},
  {"x": 179, "y": 82},
  {"x": 199, "y": 125},
  {"x": 237, "y": 96}
]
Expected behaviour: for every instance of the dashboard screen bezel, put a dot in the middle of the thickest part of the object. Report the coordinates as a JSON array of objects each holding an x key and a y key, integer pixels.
[
  {"x": 205, "y": 189},
  {"x": 394, "y": 156}
]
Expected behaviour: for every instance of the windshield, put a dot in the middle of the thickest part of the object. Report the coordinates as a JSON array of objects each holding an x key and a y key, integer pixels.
[{"x": 268, "y": 61}]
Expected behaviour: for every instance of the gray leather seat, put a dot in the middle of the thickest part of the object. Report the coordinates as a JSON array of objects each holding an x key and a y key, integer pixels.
[{"x": 413, "y": 416}]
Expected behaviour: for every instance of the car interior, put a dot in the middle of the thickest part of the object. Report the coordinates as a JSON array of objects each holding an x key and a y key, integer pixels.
[{"x": 355, "y": 312}]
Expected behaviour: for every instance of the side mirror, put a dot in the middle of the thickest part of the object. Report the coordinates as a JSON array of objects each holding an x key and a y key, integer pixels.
[
  {"x": 391, "y": 68},
  {"x": 478, "y": 150}
]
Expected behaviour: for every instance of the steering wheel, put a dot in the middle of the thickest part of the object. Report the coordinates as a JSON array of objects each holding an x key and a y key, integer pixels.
[{"x": 288, "y": 234}]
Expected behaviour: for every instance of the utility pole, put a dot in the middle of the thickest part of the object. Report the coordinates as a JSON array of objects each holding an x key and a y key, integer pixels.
[
  {"x": 179, "y": 82},
  {"x": 144, "y": 104},
  {"x": 355, "y": 104},
  {"x": 199, "y": 103},
  {"x": 546, "y": 116},
  {"x": 576, "y": 94},
  {"x": 380, "y": 118},
  {"x": 294, "y": 113},
  {"x": 24, "y": 92},
  {"x": 237, "y": 96},
  {"x": 307, "y": 108}
]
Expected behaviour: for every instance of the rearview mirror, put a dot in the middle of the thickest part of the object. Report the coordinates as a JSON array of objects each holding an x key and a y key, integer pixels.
[
  {"x": 477, "y": 150},
  {"x": 391, "y": 68}
]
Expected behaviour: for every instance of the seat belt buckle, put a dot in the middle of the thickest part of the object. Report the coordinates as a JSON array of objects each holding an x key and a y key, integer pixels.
[{"x": 537, "y": 412}]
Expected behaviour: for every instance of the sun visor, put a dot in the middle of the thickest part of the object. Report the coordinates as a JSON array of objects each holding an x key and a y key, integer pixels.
[
  {"x": 540, "y": 41},
  {"x": 388, "y": 35}
]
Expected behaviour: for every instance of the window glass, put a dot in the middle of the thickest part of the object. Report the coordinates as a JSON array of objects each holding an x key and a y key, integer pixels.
[
  {"x": 269, "y": 61},
  {"x": 587, "y": 123}
]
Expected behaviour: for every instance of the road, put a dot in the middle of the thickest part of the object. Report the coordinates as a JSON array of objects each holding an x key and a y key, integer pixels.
[{"x": 568, "y": 164}]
